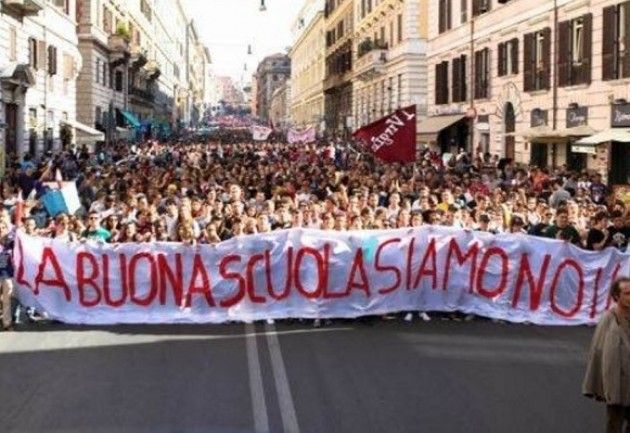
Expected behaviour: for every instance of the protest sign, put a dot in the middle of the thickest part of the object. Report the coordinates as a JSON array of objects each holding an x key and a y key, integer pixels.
[{"x": 301, "y": 273}]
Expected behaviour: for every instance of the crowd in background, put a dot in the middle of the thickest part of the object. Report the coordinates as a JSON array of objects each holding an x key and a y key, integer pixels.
[{"x": 207, "y": 192}]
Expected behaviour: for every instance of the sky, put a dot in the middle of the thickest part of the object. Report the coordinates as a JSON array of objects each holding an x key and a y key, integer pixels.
[{"x": 227, "y": 27}]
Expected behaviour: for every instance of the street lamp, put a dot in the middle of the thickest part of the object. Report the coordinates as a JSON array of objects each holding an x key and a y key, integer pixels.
[{"x": 263, "y": 8}]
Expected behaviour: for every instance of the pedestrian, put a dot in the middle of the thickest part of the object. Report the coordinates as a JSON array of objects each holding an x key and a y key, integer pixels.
[
  {"x": 6, "y": 276},
  {"x": 607, "y": 376}
]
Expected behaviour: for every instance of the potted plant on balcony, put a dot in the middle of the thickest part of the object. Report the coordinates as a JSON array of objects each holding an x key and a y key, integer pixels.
[
  {"x": 123, "y": 32},
  {"x": 365, "y": 47}
]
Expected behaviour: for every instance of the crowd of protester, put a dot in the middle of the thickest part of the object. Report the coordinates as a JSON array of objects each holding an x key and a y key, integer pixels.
[{"x": 208, "y": 192}]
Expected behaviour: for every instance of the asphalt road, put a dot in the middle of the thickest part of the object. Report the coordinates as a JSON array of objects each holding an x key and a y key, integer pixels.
[{"x": 437, "y": 377}]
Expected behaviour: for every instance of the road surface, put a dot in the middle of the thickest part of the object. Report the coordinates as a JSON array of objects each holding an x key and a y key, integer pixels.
[{"x": 437, "y": 377}]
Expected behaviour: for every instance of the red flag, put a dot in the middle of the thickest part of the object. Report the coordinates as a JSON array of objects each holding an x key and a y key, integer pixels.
[{"x": 392, "y": 138}]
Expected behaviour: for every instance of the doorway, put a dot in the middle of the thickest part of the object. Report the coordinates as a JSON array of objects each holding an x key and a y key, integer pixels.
[
  {"x": 510, "y": 128},
  {"x": 619, "y": 163},
  {"x": 539, "y": 154},
  {"x": 11, "y": 111}
]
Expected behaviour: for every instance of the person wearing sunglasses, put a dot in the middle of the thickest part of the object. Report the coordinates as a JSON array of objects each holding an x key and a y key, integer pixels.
[{"x": 94, "y": 231}]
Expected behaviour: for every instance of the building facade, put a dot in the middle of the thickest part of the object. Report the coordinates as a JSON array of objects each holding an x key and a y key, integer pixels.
[
  {"x": 339, "y": 27},
  {"x": 308, "y": 66},
  {"x": 39, "y": 63},
  {"x": 144, "y": 67},
  {"x": 280, "y": 107},
  {"x": 271, "y": 73},
  {"x": 390, "y": 47},
  {"x": 532, "y": 80}
]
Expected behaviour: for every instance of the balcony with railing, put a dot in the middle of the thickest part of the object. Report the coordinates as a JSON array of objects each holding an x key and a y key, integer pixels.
[
  {"x": 118, "y": 45},
  {"x": 138, "y": 57},
  {"x": 22, "y": 8},
  {"x": 371, "y": 59},
  {"x": 145, "y": 94}
]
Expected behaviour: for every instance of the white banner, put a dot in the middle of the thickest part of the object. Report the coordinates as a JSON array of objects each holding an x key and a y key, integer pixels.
[
  {"x": 318, "y": 274},
  {"x": 260, "y": 133},
  {"x": 306, "y": 136}
]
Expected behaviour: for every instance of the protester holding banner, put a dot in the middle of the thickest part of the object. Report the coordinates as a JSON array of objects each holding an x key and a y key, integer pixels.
[
  {"x": 209, "y": 192},
  {"x": 6, "y": 275},
  {"x": 607, "y": 376}
]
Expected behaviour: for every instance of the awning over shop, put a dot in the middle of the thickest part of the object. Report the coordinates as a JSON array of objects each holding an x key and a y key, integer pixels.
[
  {"x": 578, "y": 131},
  {"x": 546, "y": 131},
  {"x": 431, "y": 127},
  {"x": 131, "y": 119},
  {"x": 613, "y": 134},
  {"x": 89, "y": 134},
  {"x": 537, "y": 132}
]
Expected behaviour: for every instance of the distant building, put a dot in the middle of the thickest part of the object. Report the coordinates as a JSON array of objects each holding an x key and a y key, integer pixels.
[
  {"x": 308, "y": 61},
  {"x": 339, "y": 27},
  {"x": 271, "y": 73},
  {"x": 39, "y": 64},
  {"x": 280, "y": 107},
  {"x": 529, "y": 79}
]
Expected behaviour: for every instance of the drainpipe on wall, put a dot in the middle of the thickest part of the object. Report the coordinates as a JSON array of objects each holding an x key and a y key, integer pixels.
[
  {"x": 555, "y": 78},
  {"x": 472, "y": 81},
  {"x": 46, "y": 72}
]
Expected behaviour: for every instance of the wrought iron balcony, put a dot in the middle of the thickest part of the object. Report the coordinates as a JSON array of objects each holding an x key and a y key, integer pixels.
[{"x": 371, "y": 64}]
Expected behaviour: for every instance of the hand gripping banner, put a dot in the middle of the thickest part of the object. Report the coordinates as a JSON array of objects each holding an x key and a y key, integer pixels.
[{"x": 301, "y": 273}]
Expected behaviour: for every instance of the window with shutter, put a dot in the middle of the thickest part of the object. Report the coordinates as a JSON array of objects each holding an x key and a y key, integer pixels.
[
  {"x": 482, "y": 72},
  {"x": 587, "y": 50},
  {"x": 41, "y": 55},
  {"x": 514, "y": 55},
  {"x": 12, "y": 44},
  {"x": 444, "y": 15},
  {"x": 564, "y": 56},
  {"x": 463, "y": 86},
  {"x": 545, "y": 79},
  {"x": 32, "y": 53},
  {"x": 52, "y": 60},
  {"x": 624, "y": 38},
  {"x": 480, "y": 7},
  {"x": 529, "y": 61},
  {"x": 610, "y": 60},
  {"x": 477, "y": 78},
  {"x": 456, "y": 79},
  {"x": 501, "y": 59}
]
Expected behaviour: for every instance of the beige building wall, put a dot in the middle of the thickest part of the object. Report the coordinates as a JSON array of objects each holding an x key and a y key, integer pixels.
[
  {"x": 512, "y": 21},
  {"x": 308, "y": 66},
  {"x": 390, "y": 45},
  {"x": 339, "y": 28}
]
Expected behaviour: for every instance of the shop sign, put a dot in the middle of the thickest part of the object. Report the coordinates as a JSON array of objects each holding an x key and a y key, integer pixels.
[
  {"x": 620, "y": 117},
  {"x": 538, "y": 117},
  {"x": 577, "y": 117},
  {"x": 584, "y": 148}
]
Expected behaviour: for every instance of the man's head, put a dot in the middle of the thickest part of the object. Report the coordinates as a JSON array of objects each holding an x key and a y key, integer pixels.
[
  {"x": 4, "y": 229},
  {"x": 29, "y": 226},
  {"x": 562, "y": 218},
  {"x": 617, "y": 219},
  {"x": 93, "y": 220},
  {"x": 620, "y": 292}
]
